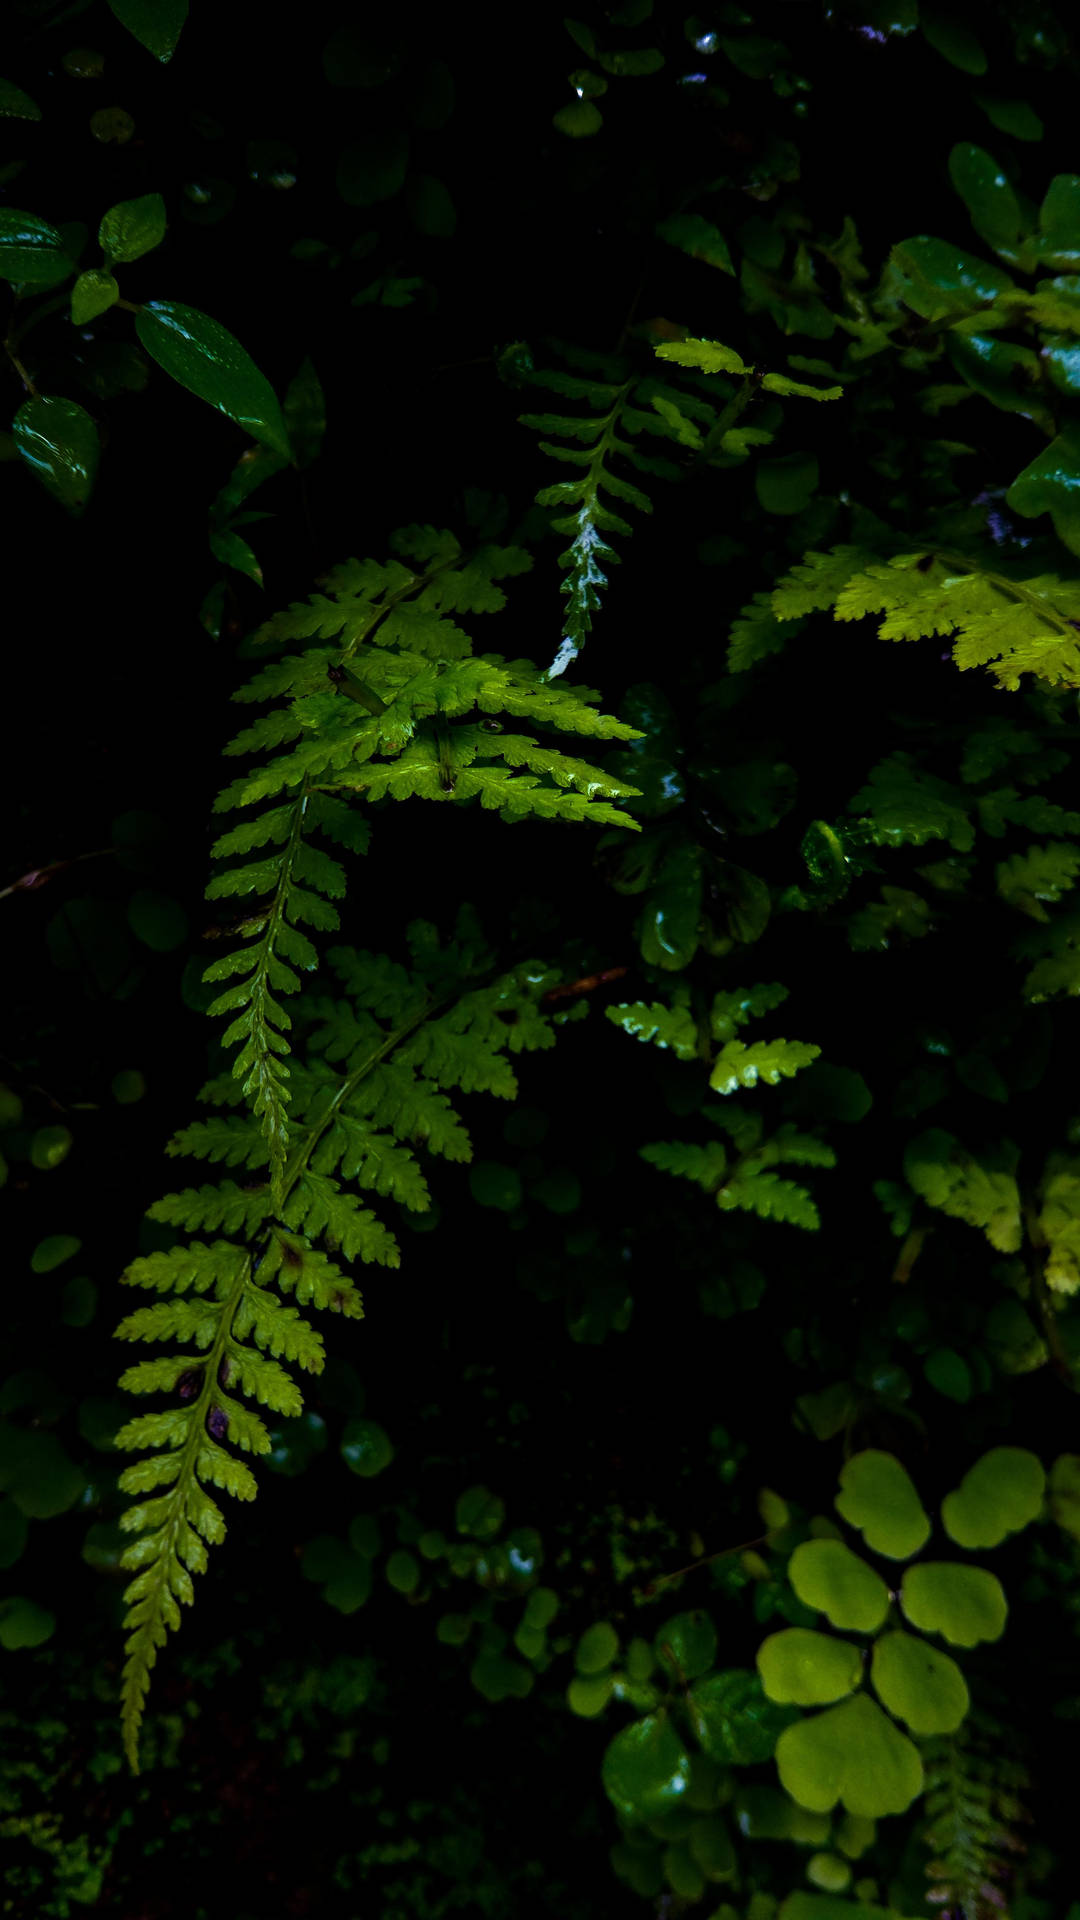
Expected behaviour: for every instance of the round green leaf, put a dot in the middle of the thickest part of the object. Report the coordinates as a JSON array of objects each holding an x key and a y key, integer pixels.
[
  {"x": 206, "y": 359},
  {"x": 851, "y": 1753},
  {"x": 939, "y": 281},
  {"x": 59, "y": 441},
  {"x": 157, "y": 920},
  {"x": 646, "y": 1769},
  {"x": 733, "y": 1720},
  {"x": 50, "y": 1146},
  {"x": 829, "y": 1872},
  {"x": 827, "y": 1576},
  {"x": 499, "y": 1678},
  {"x": 431, "y": 209},
  {"x": 682, "y": 1873},
  {"x": 919, "y": 1684},
  {"x": 366, "y": 1448},
  {"x": 949, "y": 1372},
  {"x": 588, "y": 1694},
  {"x": 1000, "y": 1494},
  {"x": 494, "y": 1185},
  {"x": 52, "y": 1252},
  {"x": 295, "y": 1443},
  {"x": 541, "y": 1607},
  {"x": 963, "y": 1604},
  {"x": 710, "y": 1844},
  {"x": 78, "y": 1301},
  {"x": 597, "y": 1648},
  {"x": 1017, "y": 118},
  {"x": 403, "y": 1571},
  {"x": 24, "y": 1624},
  {"x": 31, "y": 250},
  {"x": 479, "y": 1512},
  {"x": 128, "y": 1086},
  {"x": 453, "y": 1629},
  {"x": 808, "y": 1669},
  {"x": 37, "y": 1472},
  {"x": 787, "y": 483},
  {"x": 94, "y": 292},
  {"x": 686, "y": 1646},
  {"x": 580, "y": 119},
  {"x": 132, "y": 228},
  {"x": 953, "y": 39},
  {"x": 877, "y": 1496}
]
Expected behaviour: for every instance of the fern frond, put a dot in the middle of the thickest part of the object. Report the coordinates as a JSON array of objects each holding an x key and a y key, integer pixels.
[
  {"x": 389, "y": 709},
  {"x": 980, "y": 1190},
  {"x": 1007, "y": 618},
  {"x": 372, "y": 1092},
  {"x": 770, "y": 1061},
  {"x": 974, "y": 1816},
  {"x": 672, "y": 1027}
]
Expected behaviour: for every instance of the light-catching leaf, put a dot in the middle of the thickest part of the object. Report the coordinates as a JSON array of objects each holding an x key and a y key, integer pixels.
[{"x": 205, "y": 358}]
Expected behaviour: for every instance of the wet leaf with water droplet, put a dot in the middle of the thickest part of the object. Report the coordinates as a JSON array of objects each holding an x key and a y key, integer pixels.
[
  {"x": 59, "y": 441},
  {"x": 205, "y": 358}
]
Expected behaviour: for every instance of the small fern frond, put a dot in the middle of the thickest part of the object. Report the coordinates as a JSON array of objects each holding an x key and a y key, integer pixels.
[
  {"x": 1008, "y": 617},
  {"x": 974, "y": 1820}
]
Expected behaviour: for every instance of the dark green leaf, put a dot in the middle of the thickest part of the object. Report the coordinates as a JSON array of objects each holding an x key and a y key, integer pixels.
[
  {"x": 17, "y": 105},
  {"x": 94, "y": 293},
  {"x": 31, "y": 250},
  {"x": 206, "y": 359},
  {"x": 155, "y": 24},
  {"x": 132, "y": 228},
  {"x": 58, "y": 439}
]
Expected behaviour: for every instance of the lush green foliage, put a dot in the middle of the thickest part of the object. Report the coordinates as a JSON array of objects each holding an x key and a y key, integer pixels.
[{"x": 706, "y": 1460}]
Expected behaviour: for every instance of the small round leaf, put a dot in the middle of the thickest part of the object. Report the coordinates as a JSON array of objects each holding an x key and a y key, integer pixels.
[
  {"x": 686, "y": 1645},
  {"x": 877, "y": 1496},
  {"x": 999, "y": 1495},
  {"x": 827, "y": 1576},
  {"x": 808, "y": 1669},
  {"x": 918, "y": 1684},
  {"x": 597, "y": 1648},
  {"x": 366, "y": 1448},
  {"x": 733, "y": 1719},
  {"x": 963, "y": 1604}
]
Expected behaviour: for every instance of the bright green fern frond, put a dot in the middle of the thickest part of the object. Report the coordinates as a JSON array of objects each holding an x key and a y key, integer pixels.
[
  {"x": 672, "y": 1027},
  {"x": 733, "y": 1009},
  {"x": 1027, "y": 880},
  {"x": 771, "y": 1198},
  {"x": 1005, "y": 617},
  {"x": 980, "y": 1190},
  {"x": 769, "y": 1061}
]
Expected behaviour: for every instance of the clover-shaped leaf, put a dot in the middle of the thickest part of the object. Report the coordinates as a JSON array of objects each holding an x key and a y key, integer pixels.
[
  {"x": 877, "y": 1496},
  {"x": 963, "y": 1604},
  {"x": 851, "y": 1753},
  {"x": 826, "y": 1575},
  {"x": 808, "y": 1669},
  {"x": 1000, "y": 1494},
  {"x": 918, "y": 1684},
  {"x": 646, "y": 1769}
]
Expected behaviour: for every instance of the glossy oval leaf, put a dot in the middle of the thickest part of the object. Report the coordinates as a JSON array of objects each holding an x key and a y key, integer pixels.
[
  {"x": 852, "y": 1754},
  {"x": 597, "y": 1648},
  {"x": 919, "y": 1685},
  {"x": 999, "y": 1495},
  {"x": 31, "y": 250},
  {"x": 94, "y": 293},
  {"x": 987, "y": 195},
  {"x": 59, "y": 441},
  {"x": 155, "y": 24},
  {"x": 733, "y": 1720},
  {"x": 646, "y": 1769},
  {"x": 205, "y": 358},
  {"x": 1051, "y": 484},
  {"x": 940, "y": 282},
  {"x": 964, "y": 1604},
  {"x": 878, "y": 1496},
  {"x": 23, "y": 1623},
  {"x": 806, "y": 1669},
  {"x": 827, "y": 1576},
  {"x": 132, "y": 228}
]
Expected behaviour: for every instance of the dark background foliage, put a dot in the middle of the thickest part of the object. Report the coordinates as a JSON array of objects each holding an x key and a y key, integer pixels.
[{"x": 288, "y": 1742}]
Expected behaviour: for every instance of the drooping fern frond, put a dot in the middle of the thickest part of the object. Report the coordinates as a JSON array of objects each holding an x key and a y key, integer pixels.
[
  {"x": 619, "y": 409},
  {"x": 386, "y": 698},
  {"x": 974, "y": 1820},
  {"x": 1008, "y": 617},
  {"x": 370, "y": 1095}
]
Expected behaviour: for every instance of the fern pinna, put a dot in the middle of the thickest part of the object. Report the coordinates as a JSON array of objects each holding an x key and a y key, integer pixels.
[{"x": 387, "y": 698}]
